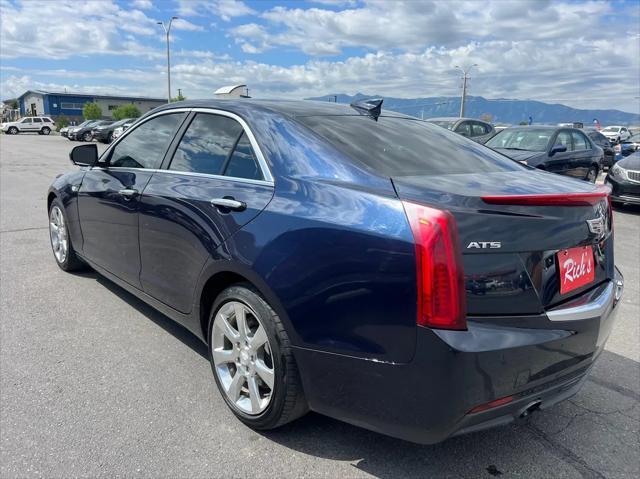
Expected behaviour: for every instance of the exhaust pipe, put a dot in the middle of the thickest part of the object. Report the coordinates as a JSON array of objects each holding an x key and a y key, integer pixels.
[{"x": 527, "y": 411}]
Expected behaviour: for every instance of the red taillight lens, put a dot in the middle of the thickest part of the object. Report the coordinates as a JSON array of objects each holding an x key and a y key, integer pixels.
[
  {"x": 440, "y": 277},
  {"x": 492, "y": 404}
]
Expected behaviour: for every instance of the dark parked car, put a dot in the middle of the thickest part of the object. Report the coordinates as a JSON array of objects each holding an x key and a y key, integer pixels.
[
  {"x": 624, "y": 180},
  {"x": 329, "y": 264},
  {"x": 567, "y": 151},
  {"x": 477, "y": 130},
  {"x": 83, "y": 131},
  {"x": 603, "y": 142},
  {"x": 104, "y": 133}
]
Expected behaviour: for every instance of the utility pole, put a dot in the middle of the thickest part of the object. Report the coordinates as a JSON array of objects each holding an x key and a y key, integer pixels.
[
  {"x": 179, "y": 92},
  {"x": 465, "y": 77},
  {"x": 167, "y": 31}
]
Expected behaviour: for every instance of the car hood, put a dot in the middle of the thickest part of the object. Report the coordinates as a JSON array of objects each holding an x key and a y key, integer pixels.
[
  {"x": 631, "y": 162},
  {"x": 519, "y": 155}
]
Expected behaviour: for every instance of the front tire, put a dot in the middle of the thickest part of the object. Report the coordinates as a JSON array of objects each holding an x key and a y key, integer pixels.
[
  {"x": 252, "y": 360},
  {"x": 12, "y": 131},
  {"x": 87, "y": 136},
  {"x": 63, "y": 251}
]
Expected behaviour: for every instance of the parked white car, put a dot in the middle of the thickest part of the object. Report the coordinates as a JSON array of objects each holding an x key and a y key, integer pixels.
[
  {"x": 121, "y": 129},
  {"x": 616, "y": 134},
  {"x": 43, "y": 125}
]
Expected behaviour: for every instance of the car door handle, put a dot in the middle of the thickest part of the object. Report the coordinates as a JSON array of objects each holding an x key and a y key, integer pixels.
[
  {"x": 128, "y": 193},
  {"x": 229, "y": 204}
]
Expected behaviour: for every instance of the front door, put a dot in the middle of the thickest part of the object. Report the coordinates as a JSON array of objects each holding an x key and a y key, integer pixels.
[
  {"x": 109, "y": 198},
  {"x": 560, "y": 162},
  {"x": 215, "y": 183}
]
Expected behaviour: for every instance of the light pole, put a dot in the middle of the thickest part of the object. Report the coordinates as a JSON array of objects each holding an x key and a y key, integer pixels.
[
  {"x": 167, "y": 31},
  {"x": 465, "y": 77}
]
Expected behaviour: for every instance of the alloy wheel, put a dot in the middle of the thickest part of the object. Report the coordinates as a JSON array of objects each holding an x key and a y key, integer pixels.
[
  {"x": 58, "y": 233},
  {"x": 243, "y": 358}
]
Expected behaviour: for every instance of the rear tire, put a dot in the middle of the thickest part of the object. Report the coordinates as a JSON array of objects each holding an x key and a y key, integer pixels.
[
  {"x": 63, "y": 251},
  {"x": 239, "y": 368},
  {"x": 46, "y": 130}
]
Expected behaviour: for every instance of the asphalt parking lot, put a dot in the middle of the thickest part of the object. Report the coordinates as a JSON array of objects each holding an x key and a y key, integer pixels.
[{"x": 95, "y": 383}]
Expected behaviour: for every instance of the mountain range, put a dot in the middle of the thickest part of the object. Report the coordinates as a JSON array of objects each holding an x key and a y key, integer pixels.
[{"x": 501, "y": 110}]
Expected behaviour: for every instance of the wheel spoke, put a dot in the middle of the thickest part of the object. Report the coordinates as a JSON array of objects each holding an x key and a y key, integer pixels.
[
  {"x": 254, "y": 394},
  {"x": 235, "y": 388},
  {"x": 258, "y": 339},
  {"x": 223, "y": 356},
  {"x": 265, "y": 373},
  {"x": 241, "y": 320},
  {"x": 228, "y": 330}
]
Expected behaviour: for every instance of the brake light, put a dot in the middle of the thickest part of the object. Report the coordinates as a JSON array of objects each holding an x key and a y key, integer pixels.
[
  {"x": 439, "y": 272},
  {"x": 554, "y": 199},
  {"x": 492, "y": 404}
]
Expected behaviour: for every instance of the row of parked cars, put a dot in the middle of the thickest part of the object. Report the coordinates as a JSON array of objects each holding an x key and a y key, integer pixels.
[
  {"x": 577, "y": 152},
  {"x": 104, "y": 131}
]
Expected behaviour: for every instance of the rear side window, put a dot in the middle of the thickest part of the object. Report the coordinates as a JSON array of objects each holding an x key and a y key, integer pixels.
[
  {"x": 397, "y": 146},
  {"x": 145, "y": 146},
  {"x": 479, "y": 129},
  {"x": 243, "y": 163},
  {"x": 206, "y": 144},
  {"x": 37, "y": 120},
  {"x": 464, "y": 129},
  {"x": 564, "y": 139}
]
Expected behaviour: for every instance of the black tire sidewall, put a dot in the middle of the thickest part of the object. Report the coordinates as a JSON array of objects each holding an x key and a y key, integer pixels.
[
  {"x": 13, "y": 131},
  {"x": 270, "y": 416},
  {"x": 46, "y": 130}
]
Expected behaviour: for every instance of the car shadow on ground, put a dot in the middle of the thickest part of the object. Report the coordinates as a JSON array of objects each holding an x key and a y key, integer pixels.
[
  {"x": 552, "y": 443},
  {"x": 627, "y": 208}
]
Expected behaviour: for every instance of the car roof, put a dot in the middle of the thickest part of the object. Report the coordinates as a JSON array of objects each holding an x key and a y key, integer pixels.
[{"x": 291, "y": 108}]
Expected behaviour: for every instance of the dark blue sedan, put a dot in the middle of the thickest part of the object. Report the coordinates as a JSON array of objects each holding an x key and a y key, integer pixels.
[{"x": 362, "y": 264}]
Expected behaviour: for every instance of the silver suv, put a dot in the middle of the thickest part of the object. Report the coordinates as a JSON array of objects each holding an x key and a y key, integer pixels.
[{"x": 43, "y": 125}]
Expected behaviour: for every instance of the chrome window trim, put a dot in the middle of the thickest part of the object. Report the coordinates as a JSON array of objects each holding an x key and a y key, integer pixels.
[
  {"x": 188, "y": 173},
  {"x": 262, "y": 163}
]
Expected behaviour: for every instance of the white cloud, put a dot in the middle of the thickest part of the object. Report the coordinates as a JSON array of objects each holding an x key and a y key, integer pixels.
[
  {"x": 143, "y": 4},
  {"x": 225, "y": 9}
]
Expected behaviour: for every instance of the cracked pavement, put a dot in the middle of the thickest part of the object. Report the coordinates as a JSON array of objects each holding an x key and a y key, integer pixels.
[{"x": 94, "y": 383}]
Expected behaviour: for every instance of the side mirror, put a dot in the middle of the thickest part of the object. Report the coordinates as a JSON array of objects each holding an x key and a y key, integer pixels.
[
  {"x": 554, "y": 150},
  {"x": 84, "y": 155}
]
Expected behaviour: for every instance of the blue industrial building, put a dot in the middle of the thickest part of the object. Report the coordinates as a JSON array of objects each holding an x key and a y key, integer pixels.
[{"x": 54, "y": 104}]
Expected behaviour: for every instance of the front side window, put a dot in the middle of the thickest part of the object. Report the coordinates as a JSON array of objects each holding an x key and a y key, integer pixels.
[
  {"x": 564, "y": 139},
  {"x": 580, "y": 142},
  {"x": 529, "y": 139},
  {"x": 243, "y": 163},
  {"x": 145, "y": 146},
  {"x": 26, "y": 120}
]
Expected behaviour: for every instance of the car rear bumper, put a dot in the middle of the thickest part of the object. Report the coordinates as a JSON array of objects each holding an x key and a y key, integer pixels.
[{"x": 454, "y": 372}]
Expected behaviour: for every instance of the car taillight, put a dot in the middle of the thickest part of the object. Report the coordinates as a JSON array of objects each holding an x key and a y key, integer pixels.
[
  {"x": 439, "y": 272},
  {"x": 553, "y": 199}
]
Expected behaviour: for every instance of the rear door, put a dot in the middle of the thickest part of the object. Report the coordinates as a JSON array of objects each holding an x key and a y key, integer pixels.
[
  {"x": 37, "y": 124},
  {"x": 215, "y": 181},
  {"x": 109, "y": 198},
  {"x": 583, "y": 154}
]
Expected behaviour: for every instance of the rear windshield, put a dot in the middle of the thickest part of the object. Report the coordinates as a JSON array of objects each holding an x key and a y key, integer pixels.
[{"x": 396, "y": 146}]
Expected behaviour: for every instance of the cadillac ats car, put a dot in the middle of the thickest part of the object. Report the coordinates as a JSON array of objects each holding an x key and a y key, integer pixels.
[{"x": 365, "y": 265}]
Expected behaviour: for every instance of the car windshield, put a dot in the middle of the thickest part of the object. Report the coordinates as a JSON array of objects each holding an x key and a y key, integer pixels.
[
  {"x": 448, "y": 124},
  {"x": 521, "y": 139},
  {"x": 611, "y": 129},
  {"x": 398, "y": 146}
]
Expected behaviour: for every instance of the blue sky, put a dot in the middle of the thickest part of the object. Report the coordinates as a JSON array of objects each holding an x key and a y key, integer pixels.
[{"x": 582, "y": 53}]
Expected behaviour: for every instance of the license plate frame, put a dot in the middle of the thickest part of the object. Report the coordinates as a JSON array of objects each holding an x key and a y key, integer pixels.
[{"x": 576, "y": 268}]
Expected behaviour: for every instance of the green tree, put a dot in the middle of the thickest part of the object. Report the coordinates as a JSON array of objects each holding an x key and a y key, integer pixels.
[
  {"x": 180, "y": 97},
  {"x": 126, "y": 111},
  {"x": 91, "y": 111},
  {"x": 61, "y": 122},
  {"x": 14, "y": 105}
]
